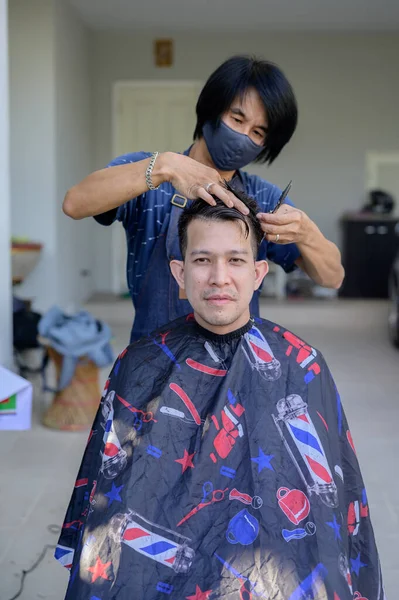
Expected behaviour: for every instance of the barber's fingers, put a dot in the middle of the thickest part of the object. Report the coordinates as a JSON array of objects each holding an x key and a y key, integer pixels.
[
  {"x": 274, "y": 229},
  {"x": 228, "y": 198},
  {"x": 282, "y": 239},
  {"x": 282, "y": 234},
  {"x": 218, "y": 190},
  {"x": 239, "y": 205},
  {"x": 201, "y": 193}
]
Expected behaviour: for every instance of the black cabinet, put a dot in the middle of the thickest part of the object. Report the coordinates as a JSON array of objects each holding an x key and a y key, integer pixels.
[{"x": 369, "y": 246}]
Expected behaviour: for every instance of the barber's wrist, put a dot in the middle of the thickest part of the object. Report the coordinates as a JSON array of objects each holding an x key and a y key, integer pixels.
[
  {"x": 162, "y": 170},
  {"x": 310, "y": 234}
]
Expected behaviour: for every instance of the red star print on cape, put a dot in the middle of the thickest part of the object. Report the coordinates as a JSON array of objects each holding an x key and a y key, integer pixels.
[
  {"x": 199, "y": 594},
  {"x": 99, "y": 570},
  {"x": 186, "y": 461}
]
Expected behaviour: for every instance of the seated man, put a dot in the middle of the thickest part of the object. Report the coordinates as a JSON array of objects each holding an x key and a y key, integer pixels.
[{"x": 220, "y": 463}]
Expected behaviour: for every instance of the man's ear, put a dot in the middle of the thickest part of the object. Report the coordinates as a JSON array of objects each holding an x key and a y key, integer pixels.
[
  {"x": 177, "y": 268},
  {"x": 261, "y": 270}
]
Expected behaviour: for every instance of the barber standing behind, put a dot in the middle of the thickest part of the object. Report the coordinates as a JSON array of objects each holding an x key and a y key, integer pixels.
[{"x": 246, "y": 112}]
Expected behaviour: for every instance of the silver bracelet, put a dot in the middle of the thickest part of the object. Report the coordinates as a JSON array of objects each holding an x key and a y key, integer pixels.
[{"x": 148, "y": 173}]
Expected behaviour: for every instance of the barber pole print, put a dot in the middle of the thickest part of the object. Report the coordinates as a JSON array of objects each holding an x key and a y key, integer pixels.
[
  {"x": 260, "y": 355},
  {"x": 343, "y": 566},
  {"x": 309, "y": 445},
  {"x": 107, "y": 409},
  {"x": 151, "y": 545},
  {"x": 300, "y": 436},
  {"x": 139, "y": 534},
  {"x": 64, "y": 555},
  {"x": 114, "y": 458},
  {"x": 106, "y": 386}
]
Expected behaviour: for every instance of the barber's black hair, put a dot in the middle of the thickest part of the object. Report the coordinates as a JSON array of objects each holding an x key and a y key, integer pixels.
[
  {"x": 199, "y": 209},
  {"x": 233, "y": 78}
]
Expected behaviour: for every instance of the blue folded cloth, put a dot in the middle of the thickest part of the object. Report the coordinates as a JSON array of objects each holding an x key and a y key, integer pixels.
[{"x": 76, "y": 336}]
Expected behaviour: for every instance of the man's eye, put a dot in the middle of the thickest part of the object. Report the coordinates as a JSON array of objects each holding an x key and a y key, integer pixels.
[
  {"x": 201, "y": 260},
  {"x": 237, "y": 120},
  {"x": 259, "y": 134},
  {"x": 237, "y": 261}
]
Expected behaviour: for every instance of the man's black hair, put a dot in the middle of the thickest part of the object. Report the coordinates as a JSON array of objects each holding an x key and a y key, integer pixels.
[
  {"x": 233, "y": 78},
  {"x": 199, "y": 209}
]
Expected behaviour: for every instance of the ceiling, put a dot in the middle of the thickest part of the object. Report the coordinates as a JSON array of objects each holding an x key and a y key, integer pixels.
[{"x": 240, "y": 15}]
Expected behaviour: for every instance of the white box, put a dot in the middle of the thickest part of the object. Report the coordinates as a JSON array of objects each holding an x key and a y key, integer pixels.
[{"x": 15, "y": 401}]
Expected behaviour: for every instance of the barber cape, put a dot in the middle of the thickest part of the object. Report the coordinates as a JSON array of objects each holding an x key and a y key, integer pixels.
[{"x": 220, "y": 466}]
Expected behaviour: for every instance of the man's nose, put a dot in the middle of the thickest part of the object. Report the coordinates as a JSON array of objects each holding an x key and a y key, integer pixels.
[{"x": 220, "y": 274}]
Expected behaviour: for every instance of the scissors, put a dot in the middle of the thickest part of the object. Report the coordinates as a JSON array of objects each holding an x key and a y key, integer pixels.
[
  {"x": 141, "y": 417},
  {"x": 282, "y": 198},
  {"x": 209, "y": 496}
]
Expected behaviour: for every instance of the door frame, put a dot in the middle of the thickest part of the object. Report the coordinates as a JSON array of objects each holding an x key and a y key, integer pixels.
[
  {"x": 117, "y": 87},
  {"x": 375, "y": 160}
]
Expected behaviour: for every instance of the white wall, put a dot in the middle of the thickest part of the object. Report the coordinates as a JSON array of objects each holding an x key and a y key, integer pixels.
[
  {"x": 50, "y": 144},
  {"x": 73, "y": 151},
  {"x": 5, "y": 267},
  {"x": 32, "y": 139},
  {"x": 348, "y": 94}
]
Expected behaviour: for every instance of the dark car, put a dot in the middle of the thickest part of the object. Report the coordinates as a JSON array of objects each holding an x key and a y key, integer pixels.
[{"x": 393, "y": 318}]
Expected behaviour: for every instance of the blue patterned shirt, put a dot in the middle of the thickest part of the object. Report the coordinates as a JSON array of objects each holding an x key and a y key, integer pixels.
[{"x": 146, "y": 220}]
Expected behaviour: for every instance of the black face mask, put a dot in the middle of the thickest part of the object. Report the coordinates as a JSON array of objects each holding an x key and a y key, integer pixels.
[{"x": 229, "y": 149}]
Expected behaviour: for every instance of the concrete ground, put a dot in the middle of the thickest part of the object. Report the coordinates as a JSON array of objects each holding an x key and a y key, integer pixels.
[{"x": 39, "y": 466}]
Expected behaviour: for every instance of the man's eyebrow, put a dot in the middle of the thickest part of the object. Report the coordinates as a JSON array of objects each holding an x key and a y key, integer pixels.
[
  {"x": 208, "y": 253},
  {"x": 239, "y": 112},
  {"x": 245, "y": 252},
  {"x": 196, "y": 252}
]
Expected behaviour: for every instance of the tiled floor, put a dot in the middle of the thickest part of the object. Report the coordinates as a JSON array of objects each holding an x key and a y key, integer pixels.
[{"x": 39, "y": 466}]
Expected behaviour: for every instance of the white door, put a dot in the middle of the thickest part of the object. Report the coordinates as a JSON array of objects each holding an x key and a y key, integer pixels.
[
  {"x": 382, "y": 173},
  {"x": 149, "y": 116}
]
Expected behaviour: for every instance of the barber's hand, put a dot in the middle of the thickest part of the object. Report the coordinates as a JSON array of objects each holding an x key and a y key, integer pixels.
[
  {"x": 288, "y": 225},
  {"x": 194, "y": 180}
]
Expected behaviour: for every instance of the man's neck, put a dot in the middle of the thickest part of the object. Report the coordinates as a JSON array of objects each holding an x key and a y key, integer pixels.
[
  {"x": 199, "y": 152},
  {"x": 224, "y": 329}
]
